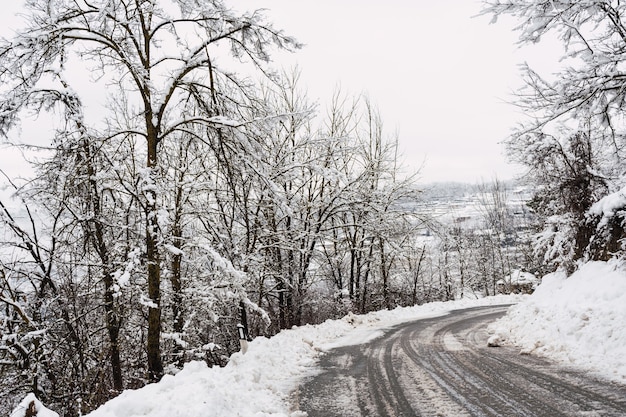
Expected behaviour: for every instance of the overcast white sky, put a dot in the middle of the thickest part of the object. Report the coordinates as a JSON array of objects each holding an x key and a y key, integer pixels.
[{"x": 439, "y": 77}]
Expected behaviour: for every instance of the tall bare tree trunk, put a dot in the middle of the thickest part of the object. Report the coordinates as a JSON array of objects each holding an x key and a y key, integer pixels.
[
  {"x": 153, "y": 260},
  {"x": 416, "y": 274},
  {"x": 384, "y": 272},
  {"x": 112, "y": 318}
]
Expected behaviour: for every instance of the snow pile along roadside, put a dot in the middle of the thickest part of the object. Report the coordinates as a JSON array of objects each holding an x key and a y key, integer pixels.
[
  {"x": 259, "y": 383},
  {"x": 578, "y": 320}
]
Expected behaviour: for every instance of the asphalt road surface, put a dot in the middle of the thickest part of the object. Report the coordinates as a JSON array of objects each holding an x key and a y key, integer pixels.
[{"x": 443, "y": 367}]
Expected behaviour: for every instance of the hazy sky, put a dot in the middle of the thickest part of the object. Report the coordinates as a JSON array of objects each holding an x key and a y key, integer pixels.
[{"x": 439, "y": 77}]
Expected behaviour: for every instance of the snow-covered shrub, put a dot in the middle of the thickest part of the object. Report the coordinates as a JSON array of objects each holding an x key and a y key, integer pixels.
[{"x": 30, "y": 406}]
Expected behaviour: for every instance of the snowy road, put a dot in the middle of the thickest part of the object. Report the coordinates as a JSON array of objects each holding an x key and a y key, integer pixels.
[{"x": 442, "y": 367}]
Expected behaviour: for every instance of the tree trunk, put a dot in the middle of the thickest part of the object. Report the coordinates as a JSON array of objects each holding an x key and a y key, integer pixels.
[
  {"x": 153, "y": 261},
  {"x": 177, "y": 301},
  {"x": 384, "y": 271},
  {"x": 111, "y": 316},
  {"x": 176, "y": 265},
  {"x": 113, "y": 329},
  {"x": 416, "y": 274}
]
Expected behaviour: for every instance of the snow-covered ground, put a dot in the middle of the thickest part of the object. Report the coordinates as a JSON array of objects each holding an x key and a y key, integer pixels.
[{"x": 578, "y": 320}]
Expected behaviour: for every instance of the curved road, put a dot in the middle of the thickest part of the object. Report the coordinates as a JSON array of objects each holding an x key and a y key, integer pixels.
[{"x": 443, "y": 367}]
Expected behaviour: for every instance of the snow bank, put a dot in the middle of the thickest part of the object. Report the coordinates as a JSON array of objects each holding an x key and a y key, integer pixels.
[
  {"x": 250, "y": 385},
  {"x": 259, "y": 383},
  {"x": 580, "y": 320}
]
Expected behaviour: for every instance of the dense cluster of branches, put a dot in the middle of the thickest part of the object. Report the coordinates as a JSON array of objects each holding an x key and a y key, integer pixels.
[
  {"x": 574, "y": 140},
  {"x": 196, "y": 189}
]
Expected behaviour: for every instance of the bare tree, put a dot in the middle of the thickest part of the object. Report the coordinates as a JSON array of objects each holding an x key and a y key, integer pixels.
[{"x": 157, "y": 57}]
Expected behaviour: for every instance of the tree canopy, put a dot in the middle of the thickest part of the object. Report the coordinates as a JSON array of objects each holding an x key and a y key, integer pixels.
[{"x": 573, "y": 140}]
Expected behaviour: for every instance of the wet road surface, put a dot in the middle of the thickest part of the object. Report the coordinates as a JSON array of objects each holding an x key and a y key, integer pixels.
[{"x": 443, "y": 367}]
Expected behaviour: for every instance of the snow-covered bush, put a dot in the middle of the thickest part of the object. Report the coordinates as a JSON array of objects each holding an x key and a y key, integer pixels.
[{"x": 30, "y": 406}]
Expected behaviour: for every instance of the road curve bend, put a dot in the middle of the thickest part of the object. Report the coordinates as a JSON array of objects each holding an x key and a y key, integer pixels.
[{"x": 443, "y": 367}]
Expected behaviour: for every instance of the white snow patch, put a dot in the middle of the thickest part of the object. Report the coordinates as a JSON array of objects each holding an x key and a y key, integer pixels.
[
  {"x": 607, "y": 206},
  {"x": 173, "y": 250},
  {"x": 495, "y": 340},
  {"x": 225, "y": 121},
  {"x": 147, "y": 302}
]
